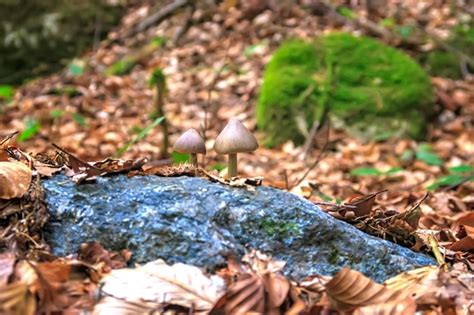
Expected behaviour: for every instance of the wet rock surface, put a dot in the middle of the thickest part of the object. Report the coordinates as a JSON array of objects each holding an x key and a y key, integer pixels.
[{"x": 198, "y": 222}]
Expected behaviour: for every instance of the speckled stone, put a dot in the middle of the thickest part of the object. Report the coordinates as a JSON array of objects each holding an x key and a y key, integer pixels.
[{"x": 193, "y": 220}]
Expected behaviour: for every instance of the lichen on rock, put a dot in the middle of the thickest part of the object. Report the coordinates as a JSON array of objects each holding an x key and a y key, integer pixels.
[{"x": 370, "y": 87}]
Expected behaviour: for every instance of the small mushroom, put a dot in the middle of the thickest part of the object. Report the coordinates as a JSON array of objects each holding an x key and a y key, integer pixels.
[
  {"x": 192, "y": 143},
  {"x": 234, "y": 138}
]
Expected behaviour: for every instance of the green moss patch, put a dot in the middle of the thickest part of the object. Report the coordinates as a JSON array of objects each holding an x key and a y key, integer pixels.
[
  {"x": 443, "y": 63},
  {"x": 367, "y": 85}
]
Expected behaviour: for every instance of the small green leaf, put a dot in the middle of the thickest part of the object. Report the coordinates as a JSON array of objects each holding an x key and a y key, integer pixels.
[
  {"x": 464, "y": 168},
  {"x": 218, "y": 167},
  {"x": 407, "y": 155},
  {"x": 79, "y": 119},
  {"x": 366, "y": 171},
  {"x": 405, "y": 31},
  {"x": 56, "y": 113},
  {"x": 179, "y": 157},
  {"x": 388, "y": 22},
  {"x": 159, "y": 41},
  {"x": 136, "y": 129},
  {"x": 449, "y": 180},
  {"x": 393, "y": 170},
  {"x": 425, "y": 154},
  {"x": 6, "y": 92},
  {"x": 76, "y": 67},
  {"x": 32, "y": 128},
  {"x": 157, "y": 77},
  {"x": 139, "y": 136},
  {"x": 254, "y": 49},
  {"x": 348, "y": 13},
  {"x": 121, "y": 67},
  {"x": 383, "y": 135}
]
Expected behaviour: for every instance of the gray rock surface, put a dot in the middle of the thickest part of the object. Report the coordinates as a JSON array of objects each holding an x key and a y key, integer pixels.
[{"x": 195, "y": 221}]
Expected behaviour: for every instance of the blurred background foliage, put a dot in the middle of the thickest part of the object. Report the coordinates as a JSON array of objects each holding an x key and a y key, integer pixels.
[{"x": 39, "y": 37}]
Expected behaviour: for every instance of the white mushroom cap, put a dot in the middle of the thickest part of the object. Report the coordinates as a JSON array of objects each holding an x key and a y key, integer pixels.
[
  {"x": 235, "y": 138},
  {"x": 190, "y": 142}
]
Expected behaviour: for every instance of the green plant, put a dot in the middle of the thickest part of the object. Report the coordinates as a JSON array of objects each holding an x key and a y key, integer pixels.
[
  {"x": 368, "y": 86},
  {"x": 369, "y": 171},
  {"x": 157, "y": 81},
  {"x": 6, "y": 92},
  {"x": 425, "y": 153},
  {"x": 79, "y": 119},
  {"x": 145, "y": 131},
  {"x": 121, "y": 67},
  {"x": 32, "y": 128},
  {"x": 456, "y": 176},
  {"x": 178, "y": 158},
  {"x": 76, "y": 67}
]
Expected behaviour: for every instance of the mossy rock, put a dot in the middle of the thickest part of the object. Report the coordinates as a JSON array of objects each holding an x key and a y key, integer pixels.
[{"x": 370, "y": 87}]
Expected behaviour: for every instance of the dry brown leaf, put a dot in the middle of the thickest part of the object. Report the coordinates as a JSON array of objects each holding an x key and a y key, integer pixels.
[
  {"x": 50, "y": 286},
  {"x": 16, "y": 299},
  {"x": 259, "y": 287},
  {"x": 7, "y": 263},
  {"x": 404, "y": 307},
  {"x": 244, "y": 296},
  {"x": 15, "y": 179},
  {"x": 158, "y": 283},
  {"x": 350, "y": 289},
  {"x": 363, "y": 205},
  {"x": 44, "y": 169},
  {"x": 464, "y": 245}
]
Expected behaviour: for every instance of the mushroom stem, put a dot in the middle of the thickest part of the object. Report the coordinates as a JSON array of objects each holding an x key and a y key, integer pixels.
[
  {"x": 232, "y": 168},
  {"x": 194, "y": 159}
]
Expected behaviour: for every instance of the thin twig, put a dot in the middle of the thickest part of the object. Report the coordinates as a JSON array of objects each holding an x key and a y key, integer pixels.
[
  {"x": 317, "y": 159},
  {"x": 211, "y": 89},
  {"x": 186, "y": 25},
  {"x": 160, "y": 15}
]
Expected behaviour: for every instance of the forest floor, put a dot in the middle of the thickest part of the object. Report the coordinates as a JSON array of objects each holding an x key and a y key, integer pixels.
[{"x": 215, "y": 72}]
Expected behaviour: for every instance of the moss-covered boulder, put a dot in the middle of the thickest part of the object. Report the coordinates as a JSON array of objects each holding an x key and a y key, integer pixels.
[{"x": 365, "y": 84}]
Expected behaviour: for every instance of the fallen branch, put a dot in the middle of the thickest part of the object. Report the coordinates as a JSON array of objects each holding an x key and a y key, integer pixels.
[
  {"x": 160, "y": 15},
  {"x": 186, "y": 25}
]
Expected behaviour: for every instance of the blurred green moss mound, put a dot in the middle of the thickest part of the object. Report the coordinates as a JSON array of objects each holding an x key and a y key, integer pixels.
[
  {"x": 444, "y": 63},
  {"x": 369, "y": 87},
  {"x": 38, "y": 37}
]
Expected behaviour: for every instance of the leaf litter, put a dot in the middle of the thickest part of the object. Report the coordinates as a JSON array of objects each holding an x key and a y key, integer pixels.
[{"x": 110, "y": 112}]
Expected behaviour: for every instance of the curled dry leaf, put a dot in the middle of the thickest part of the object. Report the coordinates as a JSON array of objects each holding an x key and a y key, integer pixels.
[
  {"x": 156, "y": 284},
  {"x": 350, "y": 289},
  {"x": 15, "y": 179},
  {"x": 259, "y": 287},
  {"x": 15, "y": 298},
  {"x": 404, "y": 307}
]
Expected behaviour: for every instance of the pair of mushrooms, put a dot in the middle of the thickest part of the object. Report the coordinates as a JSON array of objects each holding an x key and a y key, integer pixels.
[{"x": 234, "y": 138}]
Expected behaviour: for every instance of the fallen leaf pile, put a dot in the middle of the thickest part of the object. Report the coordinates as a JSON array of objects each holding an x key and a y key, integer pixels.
[
  {"x": 256, "y": 285},
  {"x": 59, "y": 285},
  {"x": 213, "y": 73}
]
